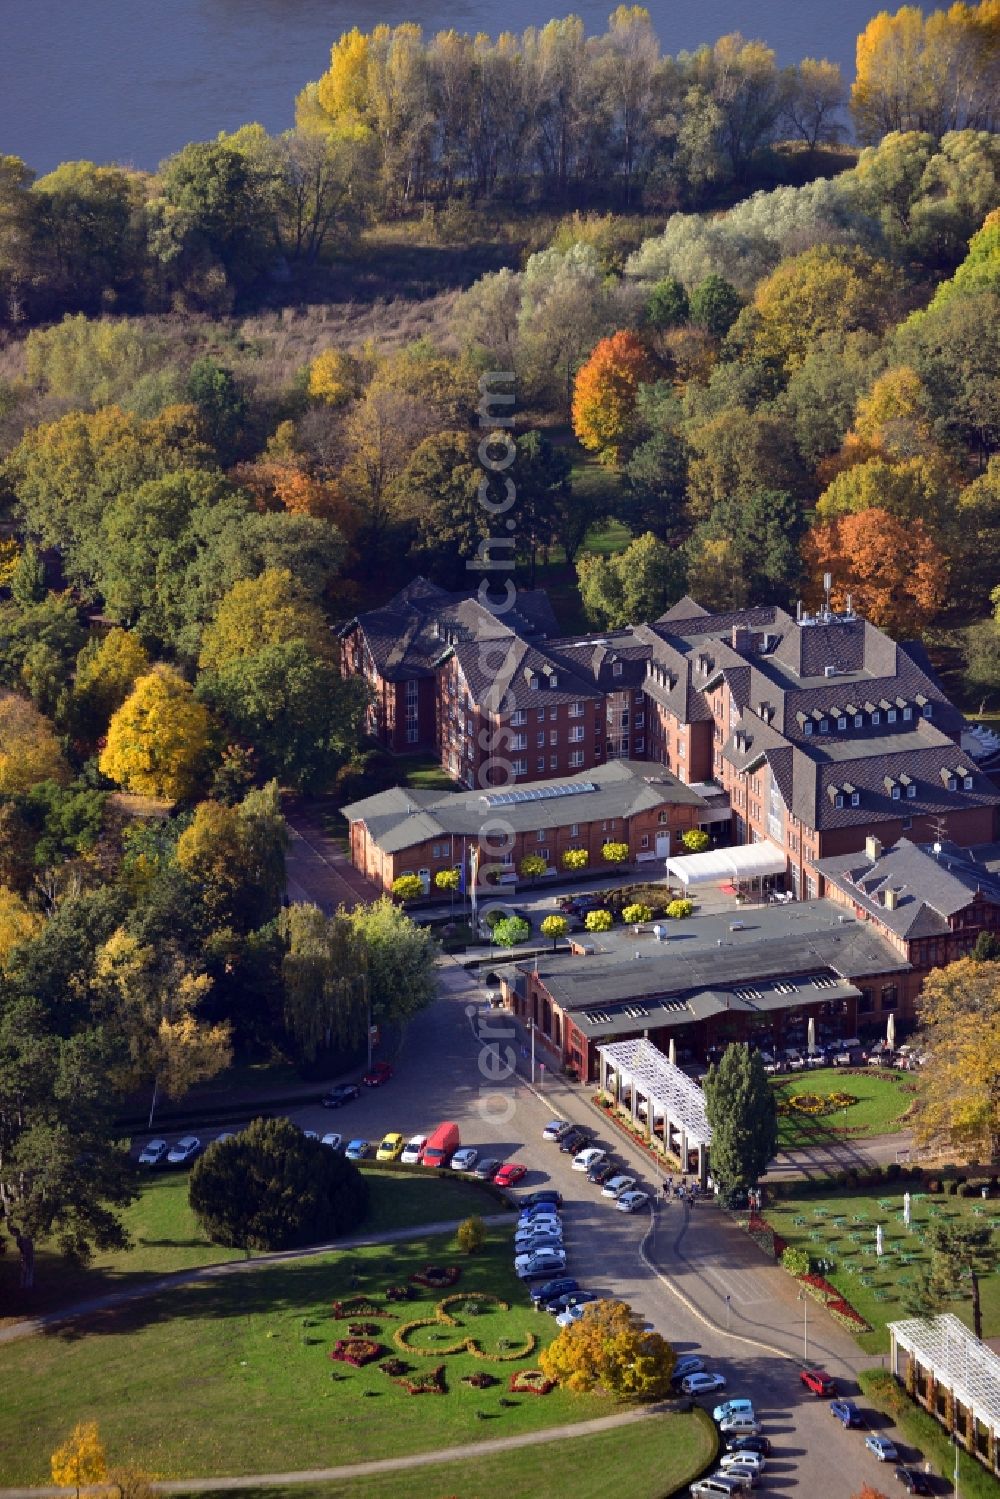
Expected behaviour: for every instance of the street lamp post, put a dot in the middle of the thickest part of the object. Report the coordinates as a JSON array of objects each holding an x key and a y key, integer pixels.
[
  {"x": 531, "y": 1032},
  {"x": 729, "y": 1306},
  {"x": 805, "y": 1326}
]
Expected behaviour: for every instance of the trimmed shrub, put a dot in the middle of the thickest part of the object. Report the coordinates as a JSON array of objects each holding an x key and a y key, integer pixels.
[
  {"x": 598, "y": 921},
  {"x": 678, "y": 909},
  {"x": 796, "y": 1261}
]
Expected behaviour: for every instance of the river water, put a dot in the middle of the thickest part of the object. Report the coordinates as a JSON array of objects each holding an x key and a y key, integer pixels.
[{"x": 133, "y": 80}]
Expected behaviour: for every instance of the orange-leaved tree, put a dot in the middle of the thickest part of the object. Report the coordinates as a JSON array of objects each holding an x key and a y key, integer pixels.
[
  {"x": 605, "y": 391},
  {"x": 895, "y": 574}
]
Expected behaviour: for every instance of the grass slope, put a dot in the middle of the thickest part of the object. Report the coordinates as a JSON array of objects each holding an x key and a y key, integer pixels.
[{"x": 233, "y": 1376}]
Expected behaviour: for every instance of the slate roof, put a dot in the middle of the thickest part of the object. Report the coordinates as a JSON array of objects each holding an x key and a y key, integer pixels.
[
  {"x": 929, "y": 888},
  {"x": 399, "y": 819}
]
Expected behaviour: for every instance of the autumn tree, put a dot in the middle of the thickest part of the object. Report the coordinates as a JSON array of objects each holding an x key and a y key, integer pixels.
[
  {"x": 159, "y": 740},
  {"x": 608, "y": 1349},
  {"x": 152, "y": 996},
  {"x": 237, "y": 856},
  {"x": 695, "y": 840},
  {"x": 605, "y": 392},
  {"x": 958, "y": 1104},
  {"x": 637, "y": 584},
  {"x": 18, "y": 924},
  {"x": 554, "y": 927},
  {"x": 814, "y": 96},
  {"x": 471, "y": 1235},
  {"x": 29, "y": 749},
  {"x": 80, "y": 1461},
  {"x": 106, "y": 671},
  {"x": 895, "y": 574}
]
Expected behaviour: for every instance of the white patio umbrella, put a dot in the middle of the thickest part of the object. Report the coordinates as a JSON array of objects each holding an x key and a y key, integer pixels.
[
  {"x": 890, "y": 1033},
  {"x": 672, "y": 1052},
  {"x": 811, "y": 1035}
]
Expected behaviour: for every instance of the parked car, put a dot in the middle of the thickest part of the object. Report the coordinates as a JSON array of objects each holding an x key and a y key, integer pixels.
[
  {"x": 573, "y": 1313},
  {"x": 487, "y": 1168},
  {"x": 589, "y": 1158},
  {"x": 574, "y": 1141},
  {"x": 631, "y": 1202},
  {"x": 739, "y": 1425},
  {"x": 818, "y": 1381},
  {"x": 184, "y": 1151},
  {"x": 881, "y": 1446},
  {"x": 701, "y": 1383},
  {"x": 377, "y": 1074},
  {"x": 599, "y": 1174},
  {"x": 538, "y": 1210},
  {"x": 746, "y": 1478},
  {"x": 153, "y": 1153},
  {"x": 913, "y": 1481},
  {"x": 441, "y": 1144},
  {"x": 846, "y": 1412},
  {"x": 390, "y": 1148},
  {"x": 541, "y": 1264},
  {"x": 464, "y": 1159},
  {"x": 340, "y": 1094},
  {"x": 333, "y": 1140},
  {"x": 738, "y": 1407},
  {"x": 310, "y": 1134},
  {"x": 716, "y": 1486},
  {"x": 617, "y": 1185},
  {"x": 413, "y": 1150},
  {"x": 358, "y": 1150},
  {"x": 755, "y": 1461},
  {"x": 510, "y": 1174},
  {"x": 545, "y": 1228},
  {"x": 544, "y": 1194},
  {"x": 556, "y": 1129},
  {"x": 564, "y": 1286},
  {"x": 749, "y": 1444},
  {"x": 689, "y": 1364},
  {"x": 540, "y": 1241},
  {"x": 568, "y": 1299}
]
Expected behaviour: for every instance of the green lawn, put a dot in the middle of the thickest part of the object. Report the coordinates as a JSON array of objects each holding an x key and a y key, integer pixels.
[
  {"x": 649, "y": 1460},
  {"x": 166, "y": 1237},
  {"x": 881, "y": 1100},
  {"x": 234, "y": 1376},
  {"x": 840, "y": 1227},
  {"x": 424, "y": 773}
]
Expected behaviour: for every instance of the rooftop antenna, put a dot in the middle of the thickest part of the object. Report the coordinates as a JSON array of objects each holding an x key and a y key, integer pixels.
[
  {"x": 827, "y": 585},
  {"x": 798, "y": 610}
]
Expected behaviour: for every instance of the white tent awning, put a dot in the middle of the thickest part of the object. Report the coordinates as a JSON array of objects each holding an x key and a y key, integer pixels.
[{"x": 745, "y": 862}]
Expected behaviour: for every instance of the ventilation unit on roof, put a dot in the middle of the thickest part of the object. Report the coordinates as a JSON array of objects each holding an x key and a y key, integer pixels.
[{"x": 830, "y": 671}]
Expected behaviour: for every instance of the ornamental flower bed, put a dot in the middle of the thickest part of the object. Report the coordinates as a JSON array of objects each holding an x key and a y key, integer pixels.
[
  {"x": 399, "y": 1293},
  {"x": 431, "y": 1383},
  {"x": 395, "y": 1367},
  {"x": 814, "y": 1105},
  {"x": 357, "y": 1306},
  {"x": 443, "y": 1319},
  {"x": 437, "y": 1277},
  {"x": 363, "y": 1329},
  {"x": 827, "y": 1295},
  {"x": 356, "y": 1351},
  {"x": 480, "y": 1380},
  {"x": 530, "y": 1382}
]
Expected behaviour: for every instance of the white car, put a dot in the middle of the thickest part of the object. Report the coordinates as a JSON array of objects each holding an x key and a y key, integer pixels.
[
  {"x": 332, "y": 1140},
  {"x": 153, "y": 1152},
  {"x": 185, "y": 1150},
  {"x": 740, "y": 1479},
  {"x": 464, "y": 1159},
  {"x": 573, "y": 1314},
  {"x": 631, "y": 1202},
  {"x": 589, "y": 1158},
  {"x": 525, "y": 1243},
  {"x": 540, "y": 1265},
  {"x": 754, "y": 1460},
  {"x": 703, "y": 1384},
  {"x": 311, "y": 1134},
  {"x": 616, "y": 1185},
  {"x": 413, "y": 1149},
  {"x": 555, "y": 1129}
]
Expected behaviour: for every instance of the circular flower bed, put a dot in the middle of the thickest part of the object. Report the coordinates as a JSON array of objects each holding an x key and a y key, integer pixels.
[
  {"x": 815, "y": 1104},
  {"x": 437, "y": 1277},
  {"x": 356, "y": 1351},
  {"x": 530, "y": 1382}
]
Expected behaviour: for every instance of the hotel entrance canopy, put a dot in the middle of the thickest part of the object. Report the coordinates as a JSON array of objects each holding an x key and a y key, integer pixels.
[{"x": 748, "y": 861}]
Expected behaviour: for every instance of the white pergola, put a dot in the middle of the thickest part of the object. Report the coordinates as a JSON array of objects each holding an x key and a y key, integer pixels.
[
  {"x": 746, "y": 861},
  {"x": 946, "y": 1350},
  {"x": 668, "y": 1092}
]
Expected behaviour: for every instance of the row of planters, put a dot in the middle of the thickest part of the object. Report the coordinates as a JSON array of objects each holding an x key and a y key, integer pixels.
[{"x": 637, "y": 1134}]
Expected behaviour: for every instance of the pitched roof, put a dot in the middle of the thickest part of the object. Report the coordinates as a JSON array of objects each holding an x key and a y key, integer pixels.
[{"x": 928, "y": 888}]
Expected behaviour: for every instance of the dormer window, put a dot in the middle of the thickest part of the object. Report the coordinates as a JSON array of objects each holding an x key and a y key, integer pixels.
[
  {"x": 928, "y": 710},
  {"x": 967, "y": 782},
  {"x": 824, "y": 726},
  {"x": 553, "y": 680},
  {"x": 891, "y": 715},
  {"x": 895, "y": 792},
  {"x": 855, "y": 798},
  {"x": 911, "y": 790},
  {"x": 876, "y": 716},
  {"x": 907, "y": 715},
  {"x": 533, "y": 681},
  {"x": 953, "y": 783},
  {"x": 838, "y": 800},
  {"x": 616, "y": 669},
  {"x": 859, "y": 720},
  {"x": 807, "y": 727},
  {"x": 841, "y": 723}
]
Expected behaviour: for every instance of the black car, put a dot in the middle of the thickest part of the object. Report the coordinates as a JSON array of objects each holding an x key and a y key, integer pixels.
[
  {"x": 564, "y": 1285},
  {"x": 341, "y": 1094},
  {"x": 487, "y": 1169},
  {"x": 570, "y": 1298},
  {"x": 749, "y": 1444},
  {"x": 574, "y": 1142},
  {"x": 535, "y": 1199},
  {"x": 600, "y": 1173},
  {"x": 913, "y": 1481}
]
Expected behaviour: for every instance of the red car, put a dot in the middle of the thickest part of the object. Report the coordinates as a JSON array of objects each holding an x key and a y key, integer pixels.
[
  {"x": 510, "y": 1174},
  {"x": 378, "y": 1073},
  {"x": 818, "y": 1381}
]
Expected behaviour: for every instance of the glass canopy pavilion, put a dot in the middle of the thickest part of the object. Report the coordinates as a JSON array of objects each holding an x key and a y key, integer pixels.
[{"x": 640, "y": 1071}]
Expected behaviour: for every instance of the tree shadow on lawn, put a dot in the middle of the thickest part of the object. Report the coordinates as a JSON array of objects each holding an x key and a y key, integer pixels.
[{"x": 306, "y": 1286}]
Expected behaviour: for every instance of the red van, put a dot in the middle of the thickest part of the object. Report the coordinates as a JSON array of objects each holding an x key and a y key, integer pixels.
[{"x": 441, "y": 1145}]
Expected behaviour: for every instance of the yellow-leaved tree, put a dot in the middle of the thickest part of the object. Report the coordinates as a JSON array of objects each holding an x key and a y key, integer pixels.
[
  {"x": 80, "y": 1461},
  {"x": 609, "y": 1349},
  {"x": 605, "y": 393},
  {"x": 29, "y": 749},
  {"x": 959, "y": 1101},
  {"x": 106, "y": 671},
  {"x": 18, "y": 924},
  {"x": 159, "y": 739},
  {"x": 152, "y": 997}
]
